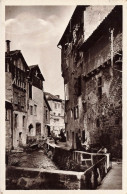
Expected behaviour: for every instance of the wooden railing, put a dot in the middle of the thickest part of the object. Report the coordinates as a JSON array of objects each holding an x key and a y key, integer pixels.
[
  {"x": 86, "y": 158},
  {"x": 95, "y": 174}
]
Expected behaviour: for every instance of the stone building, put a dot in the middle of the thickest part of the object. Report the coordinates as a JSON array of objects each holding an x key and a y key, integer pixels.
[
  {"x": 16, "y": 98},
  {"x": 35, "y": 125},
  {"x": 47, "y": 110},
  {"x": 92, "y": 70},
  {"x": 56, "y": 113},
  {"x": 24, "y": 103}
]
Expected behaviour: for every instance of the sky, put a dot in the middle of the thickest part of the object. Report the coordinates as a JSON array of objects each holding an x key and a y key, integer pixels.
[{"x": 36, "y": 31}]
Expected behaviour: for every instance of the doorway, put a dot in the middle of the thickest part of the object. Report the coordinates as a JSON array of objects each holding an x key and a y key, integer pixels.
[
  {"x": 20, "y": 138},
  {"x": 38, "y": 129},
  {"x": 49, "y": 132}
]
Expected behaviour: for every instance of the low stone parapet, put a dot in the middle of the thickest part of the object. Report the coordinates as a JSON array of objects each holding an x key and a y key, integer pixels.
[{"x": 30, "y": 179}]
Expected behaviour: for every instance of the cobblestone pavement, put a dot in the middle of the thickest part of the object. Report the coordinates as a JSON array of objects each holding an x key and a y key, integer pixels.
[
  {"x": 33, "y": 159},
  {"x": 113, "y": 179}
]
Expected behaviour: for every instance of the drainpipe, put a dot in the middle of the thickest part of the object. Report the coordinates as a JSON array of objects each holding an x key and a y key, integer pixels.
[
  {"x": 112, "y": 51},
  {"x": 12, "y": 126}
]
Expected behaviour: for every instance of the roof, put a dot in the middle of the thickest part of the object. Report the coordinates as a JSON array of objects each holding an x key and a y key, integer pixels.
[
  {"x": 114, "y": 15},
  {"x": 47, "y": 102},
  {"x": 36, "y": 67},
  {"x": 15, "y": 53},
  {"x": 52, "y": 97},
  {"x": 33, "y": 66},
  {"x": 76, "y": 12},
  {"x": 11, "y": 53}
]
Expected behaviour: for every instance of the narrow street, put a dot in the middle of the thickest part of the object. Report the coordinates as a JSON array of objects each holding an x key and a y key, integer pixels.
[{"x": 113, "y": 179}]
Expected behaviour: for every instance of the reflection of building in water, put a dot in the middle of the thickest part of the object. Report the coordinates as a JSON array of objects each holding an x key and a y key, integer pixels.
[{"x": 57, "y": 112}]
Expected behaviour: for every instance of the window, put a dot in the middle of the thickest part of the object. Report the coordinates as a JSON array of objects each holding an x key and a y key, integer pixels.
[
  {"x": 77, "y": 86},
  {"x": 71, "y": 113},
  {"x": 15, "y": 97},
  {"x": 97, "y": 123},
  {"x": 19, "y": 99},
  {"x": 31, "y": 130},
  {"x": 30, "y": 91},
  {"x": 84, "y": 106},
  {"x": 46, "y": 114},
  {"x": 22, "y": 101},
  {"x": 67, "y": 135},
  {"x": 66, "y": 91},
  {"x": 23, "y": 121},
  {"x": 56, "y": 120},
  {"x": 16, "y": 120},
  {"x": 76, "y": 112},
  {"x": 58, "y": 105},
  {"x": 7, "y": 67},
  {"x": 117, "y": 121},
  {"x": 55, "y": 105},
  {"x": 62, "y": 107},
  {"x": 7, "y": 116},
  {"x": 65, "y": 118},
  {"x": 100, "y": 87},
  {"x": 35, "y": 109},
  {"x": 31, "y": 110},
  {"x": 83, "y": 136}
]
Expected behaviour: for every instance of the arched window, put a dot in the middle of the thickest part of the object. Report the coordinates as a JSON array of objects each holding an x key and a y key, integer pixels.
[{"x": 30, "y": 130}]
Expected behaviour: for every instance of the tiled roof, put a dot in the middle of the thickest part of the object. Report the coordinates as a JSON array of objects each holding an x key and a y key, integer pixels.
[
  {"x": 52, "y": 97},
  {"x": 15, "y": 52},
  {"x": 32, "y": 69},
  {"x": 33, "y": 66}
]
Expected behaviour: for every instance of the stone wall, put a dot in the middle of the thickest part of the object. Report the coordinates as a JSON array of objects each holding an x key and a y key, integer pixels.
[
  {"x": 64, "y": 160},
  {"x": 8, "y": 125},
  {"x": 30, "y": 179},
  {"x": 104, "y": 116},
  {"x": 99, "y": 110},
  {"x": 8, "y": 86},
  {"x": 19, "y": 129}
]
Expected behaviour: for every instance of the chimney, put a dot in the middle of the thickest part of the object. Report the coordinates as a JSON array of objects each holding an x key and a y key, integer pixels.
[{"x": 8, "y": 46}]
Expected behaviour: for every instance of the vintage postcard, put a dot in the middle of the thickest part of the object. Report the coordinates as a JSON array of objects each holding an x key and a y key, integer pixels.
[{"x": 63, "y": 96}]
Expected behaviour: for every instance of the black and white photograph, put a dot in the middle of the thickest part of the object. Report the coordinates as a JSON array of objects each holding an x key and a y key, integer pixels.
[{"x": 63, "y": 97}]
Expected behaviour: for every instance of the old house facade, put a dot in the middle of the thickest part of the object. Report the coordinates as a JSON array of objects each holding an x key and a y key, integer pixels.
[
  {"x": 56, "y": 113},
  {"x": 16, "y": 97},
  {"x": 47, "y": 110},
  {"x": 24, "y": 103},
  {"x": 35, "y": 125},
  {"x": 92, "y": 72}
]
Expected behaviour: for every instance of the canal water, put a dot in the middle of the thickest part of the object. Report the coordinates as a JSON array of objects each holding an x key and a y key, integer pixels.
[{"x": 31, "y": 159}]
